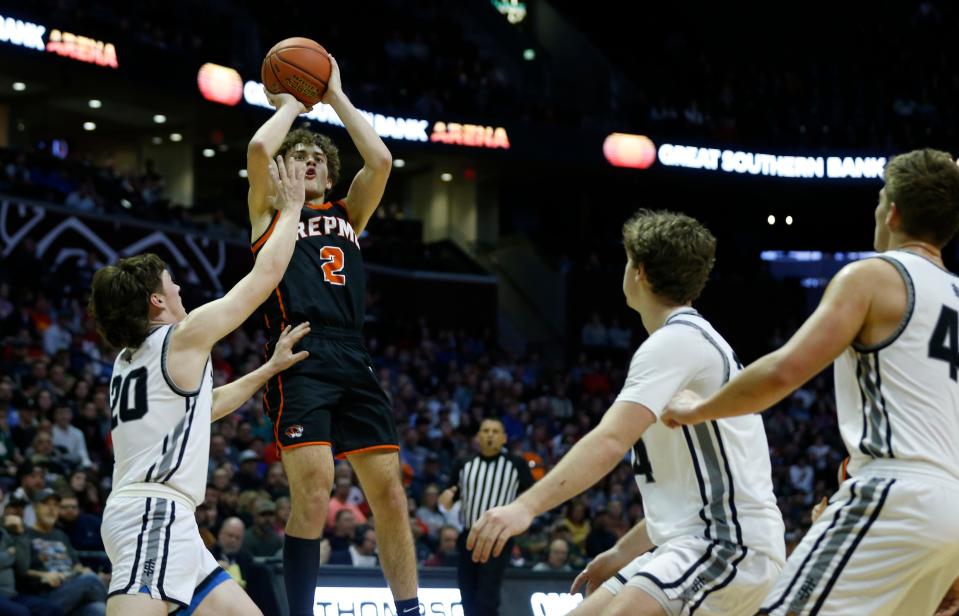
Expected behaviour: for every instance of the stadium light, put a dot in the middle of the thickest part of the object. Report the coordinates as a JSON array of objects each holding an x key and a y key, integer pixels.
[
  {"x": 630, "y": 151},
  {"x": 156, "y": 140},
  {"x": 176, "y": 137},
  {"x": 447, "y": 177},
  {"x": 529, "y": 54},
  {"x": 159, "y": 118},
  {"x": 19, "y": 86},
  {"x": 243, "y": 173},
  {"x": 209, "y": 152},
  {"x": 220, "y": 84},
  {"x": 94, "y": 103},
  {"x": 399, "y": 163},
  {"x": 789, "y": 220},
  {"x": 89, "y": 126},
  {"x": 771, "y": 219}
]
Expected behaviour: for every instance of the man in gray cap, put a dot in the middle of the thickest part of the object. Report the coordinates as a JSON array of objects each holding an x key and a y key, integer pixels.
[
  {"x": 261, "y": 538},
  {"x": 49, "y": 565}
]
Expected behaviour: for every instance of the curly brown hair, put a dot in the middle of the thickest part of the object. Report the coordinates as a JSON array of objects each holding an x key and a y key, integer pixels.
[
  {"x": 306, "y": 136},
  {"x": 677, "y": 251},
  {"x": 120, "y": 298},
  {"x": 924, "y": 185}
]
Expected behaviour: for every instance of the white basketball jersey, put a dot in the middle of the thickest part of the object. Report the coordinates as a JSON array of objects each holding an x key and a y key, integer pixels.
[
  {"x": 161, "y": 433},
  {"x": 712, "y": 480},
  {"x": 899, "y": 399}
]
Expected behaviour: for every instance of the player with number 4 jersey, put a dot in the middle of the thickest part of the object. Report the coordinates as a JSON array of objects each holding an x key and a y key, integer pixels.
[
  {"x": 163, "y": 400},
  {"x": 888, "y": 541},
  {"x": 711, "y": 541}
]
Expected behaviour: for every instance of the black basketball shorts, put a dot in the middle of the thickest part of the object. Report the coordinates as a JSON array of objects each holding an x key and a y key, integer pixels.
[{"x": 331, "y": 398}]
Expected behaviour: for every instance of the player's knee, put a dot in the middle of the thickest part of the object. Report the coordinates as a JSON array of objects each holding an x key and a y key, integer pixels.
[{"x": 388, "y": 498}]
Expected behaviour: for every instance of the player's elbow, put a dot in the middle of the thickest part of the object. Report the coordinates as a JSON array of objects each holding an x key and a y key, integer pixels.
[
  {"x": 787, "y": 372},
  {"x": 382, "y": 162},
  {"x": 257, "y": 150}
]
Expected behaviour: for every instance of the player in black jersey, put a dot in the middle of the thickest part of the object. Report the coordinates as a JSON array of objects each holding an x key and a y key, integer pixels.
[{"x": 331, "y": 403}]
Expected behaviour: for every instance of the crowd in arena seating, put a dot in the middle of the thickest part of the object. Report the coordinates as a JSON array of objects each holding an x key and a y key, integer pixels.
[
  {"x": 849, "y": 88},
  {"x": 55, "y": 439}
]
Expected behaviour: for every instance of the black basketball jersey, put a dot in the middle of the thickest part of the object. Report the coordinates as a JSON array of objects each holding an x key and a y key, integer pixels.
[{"x": 325, "y": 282}]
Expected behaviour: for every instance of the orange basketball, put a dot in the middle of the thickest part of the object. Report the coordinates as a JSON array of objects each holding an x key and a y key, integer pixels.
[{"x": 299, "y": 66}]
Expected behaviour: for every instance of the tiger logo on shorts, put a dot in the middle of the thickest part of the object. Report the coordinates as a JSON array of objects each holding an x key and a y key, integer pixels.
[{"x": 294, "y": 431}]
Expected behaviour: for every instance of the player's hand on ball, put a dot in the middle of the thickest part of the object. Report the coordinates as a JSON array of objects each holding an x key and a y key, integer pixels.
[
  {"x": 682, "y": 409},
  {"x": 335, "y": 87},
  {"x": 281, "y": 99},
  {"x": 283, "y": 355},
  {"x": 494, "y": 529},
  {"x": 600, "y": 569},
  {"x": 289, "y": 184}
]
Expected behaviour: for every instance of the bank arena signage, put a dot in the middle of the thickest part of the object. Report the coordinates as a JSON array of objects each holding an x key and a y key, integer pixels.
[
  {"x": 404, "y": 129},
  {"x": 61, "y": 42},
  {"x": 359, "y": 601}
]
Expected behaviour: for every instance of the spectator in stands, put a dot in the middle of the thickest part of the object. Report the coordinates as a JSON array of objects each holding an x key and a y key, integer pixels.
[
  {"x": 228, "y": 551},
  {"x": 84, "y": 198},
  {"x": 26, "y": 428},
  {"x": 600, "y": 538},
  {"x": 69, "y": 439},
  {"x": 248, "y": 477},
  {"x": 343, "y": 470},
  {"x": 220, "y": 453},
  {"x": 429, "y": 512},
  {"x": 276, "y": 482},
  {"x": 361, "y": 553},
  {"x": 32, "y": 479},
  {"x": 283, "y": 508},
  {"x": 51, "y": 568},
  {"x": 446, "y": 554},
  {"x": 576, "y": 523},
  {"x": 261, "y": 538},
  {"x": 615, "y": 519},
  {"x": 557, "y": 559},
  {"x": 83, "y": 529},
  {"x": 12, "y": 602},
  {"x": 802, "y": 476},
  {"x": 340, "y": 500},
  {"x": 43, "y": 452},
  {"x": 619, "y": 337},
  {"x": 344, "y": 530},
  {"x": 8, "y": 450},
  {"x": 594, "y": 332},
  {"x": 421, "y": 542},
  {"x": 57, "y": 336}
]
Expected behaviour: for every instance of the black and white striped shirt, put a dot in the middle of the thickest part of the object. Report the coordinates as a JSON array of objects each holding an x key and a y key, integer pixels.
[{"x": 485, "y": 483}]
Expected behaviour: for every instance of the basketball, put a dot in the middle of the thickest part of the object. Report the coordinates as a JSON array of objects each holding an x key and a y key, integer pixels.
[{"x": 299, "y": 66}]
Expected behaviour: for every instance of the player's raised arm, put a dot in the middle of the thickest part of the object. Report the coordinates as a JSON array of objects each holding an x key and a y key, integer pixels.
[
  {"x": 834, "y": 325},
  {"x": 204, "y": 326},
  {"x": 368, "y": 185},
  {"x": 227, "y": 398},
  {"x": 264, "y": 145}
]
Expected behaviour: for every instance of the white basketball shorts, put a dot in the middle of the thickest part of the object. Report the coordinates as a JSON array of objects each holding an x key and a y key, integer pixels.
[
  {"x": 884, "y": 546},
  {"x": 155, "y": 548},
  {"x": 694, "y": 575}
]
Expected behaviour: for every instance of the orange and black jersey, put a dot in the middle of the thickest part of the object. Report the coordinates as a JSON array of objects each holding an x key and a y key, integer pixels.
[{"x": 325, "y": 282}]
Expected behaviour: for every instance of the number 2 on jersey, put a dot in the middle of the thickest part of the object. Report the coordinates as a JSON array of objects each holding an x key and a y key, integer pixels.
[
  {"x": 944, "y": 343},
  {"x": 333, "y": 265}
]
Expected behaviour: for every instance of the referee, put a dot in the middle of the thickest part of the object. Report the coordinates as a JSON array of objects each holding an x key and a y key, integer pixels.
[{"x": 490, "y": 479}]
